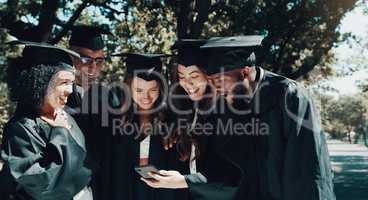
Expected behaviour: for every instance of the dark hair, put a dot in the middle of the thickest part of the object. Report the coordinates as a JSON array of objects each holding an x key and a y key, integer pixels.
[
  {"x": 28, "y": 84},
  {"x": 183, "y": 135}
]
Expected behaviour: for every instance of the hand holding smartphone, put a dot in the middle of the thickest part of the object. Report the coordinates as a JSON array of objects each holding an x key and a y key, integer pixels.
[{"x": 144, "y": 170}]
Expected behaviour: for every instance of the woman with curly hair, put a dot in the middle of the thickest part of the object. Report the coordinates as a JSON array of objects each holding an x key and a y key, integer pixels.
[{"x": 43, "y": 149}]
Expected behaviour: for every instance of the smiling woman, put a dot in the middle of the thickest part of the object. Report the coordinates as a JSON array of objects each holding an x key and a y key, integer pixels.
[
  {"x": 193, "y": 81},
  {"x": 43, "y": 148},
  {"x": 136, "y": 140},
  {"x": 59, "y": 89},
  {"x": 144, "y": 93}
]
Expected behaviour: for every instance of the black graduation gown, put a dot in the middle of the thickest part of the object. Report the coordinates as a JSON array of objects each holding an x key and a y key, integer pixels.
[
  {"x": 27, "y": 175},
  {"x": 86, "y": 112},
  {"x": 74, "y": 101},
  {"x": 288, "y": 147},
  {"x": 99, "y": 140},
  {"x": 158, "y": 157},
  {"x": 121, "y": 181},
  {"x": 117, "y": 155},
  {"x": 117, "y": 175},
  {"x": 218, "y": 174}
]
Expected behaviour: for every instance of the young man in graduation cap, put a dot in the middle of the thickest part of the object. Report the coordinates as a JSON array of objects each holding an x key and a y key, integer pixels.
[
  {"x": 88, "y": 42},
  {"x": 287, "y": 154}
]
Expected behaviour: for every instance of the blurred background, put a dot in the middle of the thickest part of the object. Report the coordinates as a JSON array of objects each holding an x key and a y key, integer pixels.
[{"x": 320, "y": 43}]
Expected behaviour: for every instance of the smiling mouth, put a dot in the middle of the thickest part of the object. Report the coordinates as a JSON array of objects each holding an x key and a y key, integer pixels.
[
  {"x": 92, "y": 76},
  {"x": 146, "y": 102},
  {"x": 63, "y": 100},
  {"x": 193, "y": 91},
  {"x": 89, "y": 75}
]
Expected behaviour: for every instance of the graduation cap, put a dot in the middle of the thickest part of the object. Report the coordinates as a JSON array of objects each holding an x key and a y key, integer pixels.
[
  {"x": 88, "y": 37},
  {"x": 189, "y": 52},
  {"x": 36, "y": 53},
  {"x": 142, "y": 64},
  {"x": 229, "y": 53}
]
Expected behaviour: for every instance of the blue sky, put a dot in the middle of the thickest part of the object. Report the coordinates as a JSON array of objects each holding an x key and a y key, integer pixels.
[{"x": 357, "y": 23}]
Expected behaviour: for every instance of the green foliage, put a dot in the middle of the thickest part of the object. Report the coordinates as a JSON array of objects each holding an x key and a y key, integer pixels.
[
  {"x": 149, "y": 30},
  {"x": 345, "y": 114},
  {"x": 299, "y": 34},
  {"x": 363, "y": 85},
  {"x": 6, "y": 107}
]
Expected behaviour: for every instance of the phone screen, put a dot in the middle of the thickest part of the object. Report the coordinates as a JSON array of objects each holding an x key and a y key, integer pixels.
[{"x": 143, "y": 171}]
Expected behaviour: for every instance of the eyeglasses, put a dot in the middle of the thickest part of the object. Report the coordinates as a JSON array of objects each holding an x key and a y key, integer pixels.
[{"x": 88, "y": 60}]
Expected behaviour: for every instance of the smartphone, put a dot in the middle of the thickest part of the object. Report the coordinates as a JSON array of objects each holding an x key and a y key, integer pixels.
[{"x": 143, "y": 171}]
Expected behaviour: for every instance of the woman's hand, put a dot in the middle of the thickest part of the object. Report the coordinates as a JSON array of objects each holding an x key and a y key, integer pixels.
[
  {"x": 166, "y": 179},
  {"x": 61, "y": 120},
  {"x": 168, "y": 142}
]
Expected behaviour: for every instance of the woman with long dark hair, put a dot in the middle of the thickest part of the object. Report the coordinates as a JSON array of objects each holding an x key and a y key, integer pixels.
[
  {"x": 210, "y": 172},
  {"x": 43, "y": 148},
  {"x": 135, "y": 132}
]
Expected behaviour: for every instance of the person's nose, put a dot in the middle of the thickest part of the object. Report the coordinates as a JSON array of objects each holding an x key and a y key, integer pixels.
[
  {"x": 68, "y": 90},
  {"x": 146, "y": 95},
  {"x": 189, "y": 81},
  {"x": 92, "y": 67}
]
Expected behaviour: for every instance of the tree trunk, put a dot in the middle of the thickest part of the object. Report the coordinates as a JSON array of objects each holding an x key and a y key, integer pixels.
[
  {"x": 70, "y": 23},
  {"x": 183, "y": 13},
  {"x": 365, "y": 137},
  {"x": 46, "y": 19},
  {"x": 191, "y": 16},
  {"x": 202, "y": 16}
]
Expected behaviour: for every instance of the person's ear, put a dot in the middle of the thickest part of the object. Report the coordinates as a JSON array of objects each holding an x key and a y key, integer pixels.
[{"x": 75, "y": 60}]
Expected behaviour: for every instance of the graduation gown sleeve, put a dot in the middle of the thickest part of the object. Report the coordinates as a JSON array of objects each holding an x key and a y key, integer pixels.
[
  {"x": 218, "y": 177},
  {"x": 44, "y": 175},
  {"x": 201, "y": 189},
  {"x": 307, "y": 173}
]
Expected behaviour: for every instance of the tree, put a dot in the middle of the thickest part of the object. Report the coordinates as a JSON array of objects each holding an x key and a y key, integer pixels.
[
  {"x": 344, "y": 114},
  {"x": 298, "y": 33}
]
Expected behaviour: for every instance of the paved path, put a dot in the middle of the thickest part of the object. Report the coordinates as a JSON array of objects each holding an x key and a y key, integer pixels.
[{"x": 350, "y": 164}]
